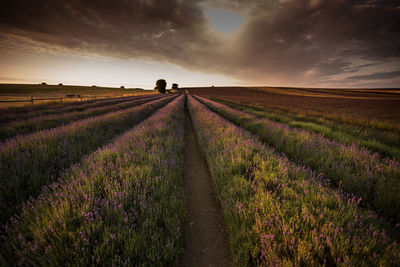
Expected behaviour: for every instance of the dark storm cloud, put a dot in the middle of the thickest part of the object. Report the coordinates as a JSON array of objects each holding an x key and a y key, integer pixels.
[
  {"x": 300, "y": 41},
  {"x": 318, "y": 38},
  {"x": 376, "y": 76},
  {"x": 157, "y": 30}
]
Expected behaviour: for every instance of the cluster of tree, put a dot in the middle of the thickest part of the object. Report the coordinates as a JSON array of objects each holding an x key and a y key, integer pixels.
[
  {"x": 161, "y": 86},
  {"x": 60, "y": 84}
]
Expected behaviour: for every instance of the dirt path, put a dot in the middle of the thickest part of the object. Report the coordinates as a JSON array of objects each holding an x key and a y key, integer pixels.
[{"x": 206, "y": 242}]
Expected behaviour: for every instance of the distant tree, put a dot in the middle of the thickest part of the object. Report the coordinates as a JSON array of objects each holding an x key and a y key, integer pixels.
[
  {"x": 161, "y": 84},
  {"x": 122, "y": 87},
  {"x": 43, "y": 83},
  {"x": 94, "y": 86},
  {"x": 60, "y": 84},
  {"x": 174, "y": 86}
]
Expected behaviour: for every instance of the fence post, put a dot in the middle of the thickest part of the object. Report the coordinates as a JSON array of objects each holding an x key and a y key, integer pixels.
[{"x": 32, "y": 100}]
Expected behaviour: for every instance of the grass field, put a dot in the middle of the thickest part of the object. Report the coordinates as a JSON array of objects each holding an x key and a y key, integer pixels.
[
  {"x": 25, "y": 91},
  {"x": 302, "y": 177}
]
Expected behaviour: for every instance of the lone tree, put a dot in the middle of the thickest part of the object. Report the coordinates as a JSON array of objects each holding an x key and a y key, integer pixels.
[
  {"x": 174, "y": 86},
  {"x": 161, "y": 84}
]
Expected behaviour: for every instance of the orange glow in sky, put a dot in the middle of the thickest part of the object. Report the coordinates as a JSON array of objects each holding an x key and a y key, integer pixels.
[
  {"x": 201, "y": 43},
  {"x": 101, "y": 71}
]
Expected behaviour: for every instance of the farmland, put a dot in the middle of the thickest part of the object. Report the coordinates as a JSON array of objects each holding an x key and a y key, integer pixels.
[
  {"x": 291, "y": 177},
  {"x": 379, "y": 108},
  {"x": 51, "y": 92}
]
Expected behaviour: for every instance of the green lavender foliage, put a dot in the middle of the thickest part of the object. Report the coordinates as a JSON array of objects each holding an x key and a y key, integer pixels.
[
  {"x": 123, "y": 205},
  {"x": 37, "y": 123},
  {"x": 283, "y": 214},
  {"x": 356, "y": 170},
  {"x": 29, "y": 162},
  {"x": 383, "y": 141}
]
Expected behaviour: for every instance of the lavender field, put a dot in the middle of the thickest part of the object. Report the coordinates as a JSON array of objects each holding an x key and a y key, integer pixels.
[
  {"x": 282, "y": 212},
  {"x": 50, "y": 118},
  {"x": 123, "y": 204},
  {"x": 103, "y": 183}
]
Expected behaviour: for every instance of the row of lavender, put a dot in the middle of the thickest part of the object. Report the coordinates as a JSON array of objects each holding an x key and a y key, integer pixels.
[
  {"x": 123, "y": 205},
  {"x": 382, "y": 140},
  {"x": 16, "y": 113},
  {"x": 40, "y": 122},
  {"x": 282, "y": 213},
  {"x": 29, "y": 162},
  {"x": 368, "y": 176}
]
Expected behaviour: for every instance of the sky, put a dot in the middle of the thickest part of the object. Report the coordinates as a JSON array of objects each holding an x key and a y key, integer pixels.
[{"x": 306, "y": 43}]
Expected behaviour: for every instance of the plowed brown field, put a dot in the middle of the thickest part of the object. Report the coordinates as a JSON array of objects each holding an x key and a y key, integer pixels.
[{"x": 379, "y": 105}]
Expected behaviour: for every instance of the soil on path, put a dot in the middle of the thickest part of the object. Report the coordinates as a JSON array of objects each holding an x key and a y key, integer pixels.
[{"x": 206, "y": 241}]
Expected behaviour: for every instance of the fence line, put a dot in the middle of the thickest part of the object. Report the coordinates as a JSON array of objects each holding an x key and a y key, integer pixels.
[{"x": 70, "y": 96}]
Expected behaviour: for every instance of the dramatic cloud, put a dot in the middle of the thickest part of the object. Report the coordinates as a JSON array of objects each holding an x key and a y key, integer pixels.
[
  {"x": 376, "y": 76},
  {"x": 289, "y": 42},
  {"x": 156, "y": 30},
  {"x": 313, "y": 39}
]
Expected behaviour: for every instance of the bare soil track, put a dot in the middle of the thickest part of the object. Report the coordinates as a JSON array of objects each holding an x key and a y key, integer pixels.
[{"x": 206, "y": 241}]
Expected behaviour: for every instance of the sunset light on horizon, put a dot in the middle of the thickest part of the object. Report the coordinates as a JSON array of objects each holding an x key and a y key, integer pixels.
[{"x": 313, "y": 43}]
